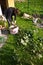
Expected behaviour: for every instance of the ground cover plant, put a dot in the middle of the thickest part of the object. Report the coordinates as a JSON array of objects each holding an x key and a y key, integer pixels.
[{"x": 26, "y": 47}]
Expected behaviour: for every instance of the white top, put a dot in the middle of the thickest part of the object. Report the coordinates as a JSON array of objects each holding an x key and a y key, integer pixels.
[
  {"x": 0, "y": 32},
  {"x": 0, "y": 11}
]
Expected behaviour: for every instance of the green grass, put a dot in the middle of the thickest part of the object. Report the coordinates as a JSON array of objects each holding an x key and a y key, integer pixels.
[
  {"x": 31, "y": 7},
  {"x": 15, "y": 53}
]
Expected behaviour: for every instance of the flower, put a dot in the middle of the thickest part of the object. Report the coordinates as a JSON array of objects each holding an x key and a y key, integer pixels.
[{"x": 23, "y": 42}]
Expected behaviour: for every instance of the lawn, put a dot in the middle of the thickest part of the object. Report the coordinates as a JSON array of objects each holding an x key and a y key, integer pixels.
[{"x": 26, "y": 47}]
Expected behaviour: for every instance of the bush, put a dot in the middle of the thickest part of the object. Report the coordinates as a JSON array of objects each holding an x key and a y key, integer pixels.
[{"x": 22, "y": 49}]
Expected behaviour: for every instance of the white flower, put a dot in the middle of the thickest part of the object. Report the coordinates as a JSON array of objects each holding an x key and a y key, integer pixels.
[
  {"x": 24, "y": 43},
  {"x": 33, "y": 51},
  {"x": 29, "y": 34},
  {"x": 40, "y": 56},
  {"x": 26, "y": 37},
  {"x": 26, "y": 40},
  {"x": 34, "y": 30},
  {"x": 40, "y": 44}
]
